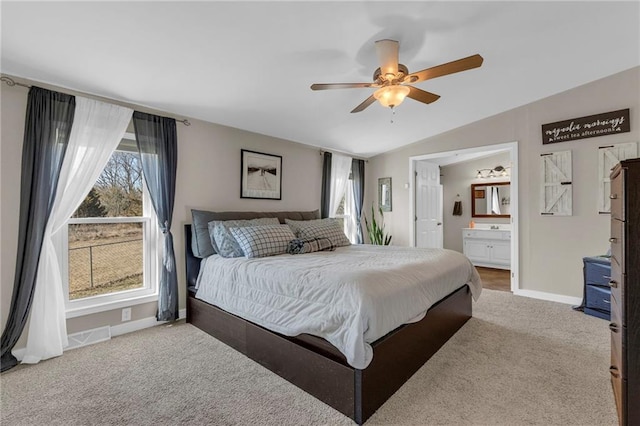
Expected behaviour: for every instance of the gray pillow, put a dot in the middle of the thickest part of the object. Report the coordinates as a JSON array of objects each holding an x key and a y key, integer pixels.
[
  {"x": 262, "y": 241},
  {"x": 223, "y": 241},
  {"x": 200, "y": 240},
  {"x": 330, "y": 228}
]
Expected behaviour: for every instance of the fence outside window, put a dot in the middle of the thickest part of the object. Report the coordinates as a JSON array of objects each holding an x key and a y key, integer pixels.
[{"x": 105, "y": 258}]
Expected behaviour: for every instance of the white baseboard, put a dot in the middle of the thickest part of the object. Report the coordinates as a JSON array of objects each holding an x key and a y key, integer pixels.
[
  {"x": 101, "y": 334},
  {"x": 130, "y": 326},
  {"x": 552, "y": 297}
]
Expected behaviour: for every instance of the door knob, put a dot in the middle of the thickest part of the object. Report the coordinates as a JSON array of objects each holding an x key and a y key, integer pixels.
[{"x": 439, "y": 223}]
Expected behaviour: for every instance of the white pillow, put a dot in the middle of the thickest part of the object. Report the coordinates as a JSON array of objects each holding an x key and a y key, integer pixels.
[
  {"x": 262, "y": 241},
  {"x": 330, "y": 228}
]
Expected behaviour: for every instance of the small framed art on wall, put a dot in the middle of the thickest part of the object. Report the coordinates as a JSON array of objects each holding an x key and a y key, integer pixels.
[{"x": 261, "y": 175}]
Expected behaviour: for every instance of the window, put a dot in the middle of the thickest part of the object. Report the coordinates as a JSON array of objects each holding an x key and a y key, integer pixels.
[{"x": 110, "y": 242}]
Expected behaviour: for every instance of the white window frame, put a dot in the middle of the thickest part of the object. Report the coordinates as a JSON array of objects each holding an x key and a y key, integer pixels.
[{"x": 151, "y": 242}]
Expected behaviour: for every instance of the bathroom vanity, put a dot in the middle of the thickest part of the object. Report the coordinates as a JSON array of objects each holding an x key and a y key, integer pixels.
[{"x": 488, "y": 246}]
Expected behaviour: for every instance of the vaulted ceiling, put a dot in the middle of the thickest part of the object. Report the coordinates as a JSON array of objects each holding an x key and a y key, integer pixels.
[{"x": 250, "y": 64}]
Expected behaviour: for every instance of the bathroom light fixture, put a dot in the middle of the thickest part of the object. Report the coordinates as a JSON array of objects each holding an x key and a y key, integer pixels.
[{"x": 497, "y": 171}]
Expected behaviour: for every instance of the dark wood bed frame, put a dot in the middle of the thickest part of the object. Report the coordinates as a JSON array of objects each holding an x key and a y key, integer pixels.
[{"x": 316, "y": 366}]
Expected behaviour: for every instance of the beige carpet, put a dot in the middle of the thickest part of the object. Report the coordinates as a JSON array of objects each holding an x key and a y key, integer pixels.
[{"x": 517, "y": 362}]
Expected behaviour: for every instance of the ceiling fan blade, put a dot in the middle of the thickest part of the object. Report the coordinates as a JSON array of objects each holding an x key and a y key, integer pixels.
[
  {"x": 422, "y": 95},
  {"x": 449, "y": 68},
  {"x": 364, "y": 104},
  {"x": 387, "y": 56},
  {"x": 328, "y": 86}
]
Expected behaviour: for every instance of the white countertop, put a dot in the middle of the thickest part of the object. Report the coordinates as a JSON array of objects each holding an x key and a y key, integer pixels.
[{"x": 487, "y": 227}]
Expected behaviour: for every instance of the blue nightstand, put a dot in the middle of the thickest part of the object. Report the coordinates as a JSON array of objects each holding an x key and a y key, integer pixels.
[{"x": 597, "y": 292}]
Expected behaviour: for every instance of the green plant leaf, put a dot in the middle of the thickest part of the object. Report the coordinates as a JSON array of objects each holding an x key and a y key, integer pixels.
[{"x": 375, "y": 230}]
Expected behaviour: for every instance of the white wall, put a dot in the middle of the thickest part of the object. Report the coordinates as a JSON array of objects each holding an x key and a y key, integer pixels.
[
  {"x": 208, "y": 178},
  {"x": 456, "y": 179},
  {"x": 551, "y": 248}
]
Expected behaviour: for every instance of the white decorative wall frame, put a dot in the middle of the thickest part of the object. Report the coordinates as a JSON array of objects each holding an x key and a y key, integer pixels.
[
  {"x": 609, "y": 156},
  {"x": 556, "y": 186}
]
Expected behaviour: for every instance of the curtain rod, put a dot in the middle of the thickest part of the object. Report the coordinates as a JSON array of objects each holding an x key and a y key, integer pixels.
[
  {"x": 340, "y": 153},
  {"x": 11, "y": 82}
]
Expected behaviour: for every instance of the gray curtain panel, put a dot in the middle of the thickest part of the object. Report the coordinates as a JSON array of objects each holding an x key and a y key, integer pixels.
[
  {"x": 357, "y": 173},
  {"x": 325, "y": 195},
  {"x": 46, "y": 136},
  {"x": 157, "y": 144}
]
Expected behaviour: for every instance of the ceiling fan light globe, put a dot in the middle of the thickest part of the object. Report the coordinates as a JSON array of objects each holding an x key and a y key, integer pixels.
[{"x": 391, "y": 96}]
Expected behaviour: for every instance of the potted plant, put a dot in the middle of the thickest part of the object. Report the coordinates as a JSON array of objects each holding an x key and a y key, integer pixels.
[{"x": 376, "y": 232}]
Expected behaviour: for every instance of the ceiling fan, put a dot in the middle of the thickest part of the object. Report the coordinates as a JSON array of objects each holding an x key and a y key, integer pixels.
[{"x": 392, "y": 79}]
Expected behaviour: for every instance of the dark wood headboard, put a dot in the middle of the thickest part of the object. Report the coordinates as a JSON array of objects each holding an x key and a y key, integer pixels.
[{"x": 192, "y": 263}]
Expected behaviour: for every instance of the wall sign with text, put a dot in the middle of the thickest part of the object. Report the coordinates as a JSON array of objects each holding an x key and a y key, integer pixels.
[{"x": 607, "y": 123}]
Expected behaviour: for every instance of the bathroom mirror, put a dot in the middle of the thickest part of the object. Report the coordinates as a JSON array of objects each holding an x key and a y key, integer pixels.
[{"x": 491, "y": 199}]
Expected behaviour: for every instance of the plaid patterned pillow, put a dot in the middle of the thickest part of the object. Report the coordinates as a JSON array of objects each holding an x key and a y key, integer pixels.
[
  {"x": 222, "y": 240},
  {"x": 262, "y": 241},
  {"x": 320, "y": 228}
]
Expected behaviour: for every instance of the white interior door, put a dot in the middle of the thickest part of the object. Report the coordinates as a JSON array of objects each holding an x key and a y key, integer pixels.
[{"x": 428, "y": 205}]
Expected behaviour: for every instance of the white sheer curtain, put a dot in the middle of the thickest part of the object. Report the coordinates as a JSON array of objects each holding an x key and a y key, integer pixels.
[
  {"x": 350, "y": 222},
  {"x": 97, "y": 130},
  {"x": 340, "y": 169}
]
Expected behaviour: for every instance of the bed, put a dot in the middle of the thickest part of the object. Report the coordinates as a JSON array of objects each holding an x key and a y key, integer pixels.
[{"x": 317, "y": 366}]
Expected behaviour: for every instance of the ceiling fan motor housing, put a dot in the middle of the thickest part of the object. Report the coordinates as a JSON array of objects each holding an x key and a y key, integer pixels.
[{"x": 381, "y": 79}]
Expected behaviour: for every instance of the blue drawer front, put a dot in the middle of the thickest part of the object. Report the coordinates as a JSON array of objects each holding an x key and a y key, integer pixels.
[
  {"x": 597, "y": 273},
  {"x": 597, "y": 313},
  {"x": 599, "y": 298}
]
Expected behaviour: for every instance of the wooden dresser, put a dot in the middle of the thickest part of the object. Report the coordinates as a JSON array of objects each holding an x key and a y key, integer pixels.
[{"x": 625, "y": 290}]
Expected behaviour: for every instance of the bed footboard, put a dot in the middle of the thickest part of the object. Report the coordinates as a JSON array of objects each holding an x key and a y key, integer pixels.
[{"x": 355, "y": 393}]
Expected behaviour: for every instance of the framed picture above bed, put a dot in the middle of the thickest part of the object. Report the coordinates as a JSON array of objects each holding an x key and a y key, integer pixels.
[{"x": 261, "y": 175}]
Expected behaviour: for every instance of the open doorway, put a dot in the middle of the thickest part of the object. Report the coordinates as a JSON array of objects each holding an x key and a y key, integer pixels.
[{"x": 441, "y": 204}]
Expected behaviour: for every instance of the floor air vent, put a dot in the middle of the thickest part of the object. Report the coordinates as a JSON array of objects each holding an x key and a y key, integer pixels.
[{"x": 88, "y": 337}]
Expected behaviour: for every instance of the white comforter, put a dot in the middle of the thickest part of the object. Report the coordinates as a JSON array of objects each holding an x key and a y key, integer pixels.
[{"x": 350, "y": 297}]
